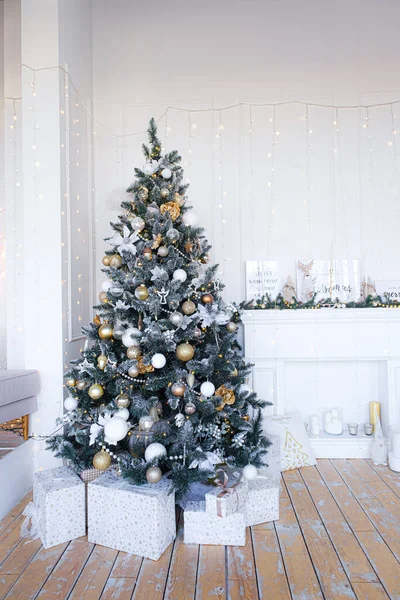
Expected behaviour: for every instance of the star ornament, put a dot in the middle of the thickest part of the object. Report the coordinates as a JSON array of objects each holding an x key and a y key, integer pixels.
[
  {"x": 157, "y": 273},
  {"x": 86, "y": 367}
]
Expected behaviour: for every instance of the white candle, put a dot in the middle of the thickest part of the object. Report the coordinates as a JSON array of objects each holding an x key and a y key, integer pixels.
[
  {"x": 314, "y": 424},
  {"x": 396, "y": 444}
]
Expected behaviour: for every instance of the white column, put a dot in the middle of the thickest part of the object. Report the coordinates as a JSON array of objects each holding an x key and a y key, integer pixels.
[{"x": 42, "y": 207}]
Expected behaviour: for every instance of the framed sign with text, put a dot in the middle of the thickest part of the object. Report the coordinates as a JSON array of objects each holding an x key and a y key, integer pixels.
[
  {"x": 388, "y": 289},
  {"x": 329, "y": 278},
  {"x": 262, "y": 277}
]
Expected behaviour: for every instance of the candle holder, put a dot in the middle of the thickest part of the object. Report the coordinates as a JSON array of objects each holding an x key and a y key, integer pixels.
[
  {"x": 353, "y": 428},
  {"x": 368, "y": 429}
]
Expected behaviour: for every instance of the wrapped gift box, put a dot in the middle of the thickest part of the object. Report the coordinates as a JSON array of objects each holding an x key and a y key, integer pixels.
[
  {"x": 223, "y": 502},
  {"x": 201, "y": 527},
  {"x": 58, "y": 506},
  {"x": 88, "y": 475},
  {"x": 262, "y": 504},
  {"x": 138, "y": 519}
]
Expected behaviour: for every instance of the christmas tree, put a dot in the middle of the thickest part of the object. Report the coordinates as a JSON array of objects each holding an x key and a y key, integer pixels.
[{"x": 160, "y": 386}]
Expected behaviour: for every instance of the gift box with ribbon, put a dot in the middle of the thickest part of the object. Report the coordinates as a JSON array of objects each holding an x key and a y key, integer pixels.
[
  {"x": 57, "y": 513},
  {"x": 201, "y": 527},
  {"x": 262, "y": 503},
  {"x": 138, "y": 519},
  {"x": 228, "y": 496}
]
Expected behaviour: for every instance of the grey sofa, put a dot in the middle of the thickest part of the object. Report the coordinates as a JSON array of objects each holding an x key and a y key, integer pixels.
[{"x": 18, "y": 390}]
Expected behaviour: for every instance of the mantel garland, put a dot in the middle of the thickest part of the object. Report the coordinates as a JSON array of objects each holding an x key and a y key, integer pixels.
[{"x": 266, "y": 303}]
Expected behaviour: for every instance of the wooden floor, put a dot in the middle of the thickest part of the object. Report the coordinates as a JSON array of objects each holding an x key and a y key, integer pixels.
[{"x": 338, "y": 537}]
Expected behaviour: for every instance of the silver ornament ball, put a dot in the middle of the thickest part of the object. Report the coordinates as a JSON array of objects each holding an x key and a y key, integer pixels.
[
  {"x": 153, "y": 474},
  {"x": 118, "y": 332},
  {"x": 190, "y": 408},
  {"x": 176, "y": 318},
  {"x": 162, "y": 251},
  {"x": 173, "y": 235}
]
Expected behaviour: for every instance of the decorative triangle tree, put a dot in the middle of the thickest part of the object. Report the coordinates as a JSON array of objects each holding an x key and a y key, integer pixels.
[{"x": 161, "y": 385}]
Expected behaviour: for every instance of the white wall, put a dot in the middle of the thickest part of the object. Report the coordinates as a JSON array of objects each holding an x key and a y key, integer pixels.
[
  {"x": 3, "y": 300},
  {"x": 148, "y": 55}
]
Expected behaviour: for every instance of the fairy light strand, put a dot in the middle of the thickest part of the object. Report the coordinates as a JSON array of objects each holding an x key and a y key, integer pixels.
[{"x": 271, "y": 182}]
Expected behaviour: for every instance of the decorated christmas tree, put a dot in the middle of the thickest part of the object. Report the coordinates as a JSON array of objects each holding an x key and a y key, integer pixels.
[{"x": 160, "y": 386}]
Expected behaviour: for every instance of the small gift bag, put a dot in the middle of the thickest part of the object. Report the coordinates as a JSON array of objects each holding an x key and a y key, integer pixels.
[
  {"x": 57, "y": 512},
  {"x": 227, "y": 497},
  {"x": 201, "y": 527}
]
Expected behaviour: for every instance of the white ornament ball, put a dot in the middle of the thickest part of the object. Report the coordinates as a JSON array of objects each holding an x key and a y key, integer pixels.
[
  {"x": 190, "y": 218},
  {"x": 246, "y": 389},
  {"x": 115, "y": 429},
  {"x": 179, "y": 275},
  {"x": 207, "y": 389},
  {"x": 105, "y": 286},
  {"x": 166, "y": 173},
  {"x": 154, "y": 450},
  {"x": 123, "y": 413},
  {"x": 158, "y": 361},
  {"x": 250, "y": 472},
  {"x": 130, "y": 337},
  {"x": 149, "y": 169},
  {"x": 176, "y": 318},
  {"x": 70, "y": 403}
]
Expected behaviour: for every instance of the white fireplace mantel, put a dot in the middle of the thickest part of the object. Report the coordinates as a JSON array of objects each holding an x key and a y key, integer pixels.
[{"x": 308, "y": 360}]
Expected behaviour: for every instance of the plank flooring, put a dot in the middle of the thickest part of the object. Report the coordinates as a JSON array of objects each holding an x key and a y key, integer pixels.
[{"x": 338, "y": 537}]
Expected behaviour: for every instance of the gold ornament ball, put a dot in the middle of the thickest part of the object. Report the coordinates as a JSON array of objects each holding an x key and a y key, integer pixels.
[
  {"x": 96, "y": 391},
  {"x": 101, "y": 460},
  {"x": 133, "y": 352},
  {"x": 141, "y": 292},
  {"x": 133, "y": 372},
  {"x": 190, "y": 408},
  {"x": 103, "y": 297},
  {"x": 207, "y": 299},
  {"x": 164, "y": 193},
  {"x": 71, "y": 381},
  {"x": 106, "y": 261},
  {"x": 231, "y": 327},
  {"x": 188, "y": 307},
  {"x": 185, "y": 352},
  {"x": 147, "y": 254},
  {"x": 235, "y": 372},
  {"x": 153, "y": 474},
  {"x": 80, "y": 385},
  {"x": 122, "y": 401},
  {"x": 102, "y": 361},
  {"x": 105, "y": 331},
  {"x": 178, "y": 389},
  {"x": 116, "y": 261}
]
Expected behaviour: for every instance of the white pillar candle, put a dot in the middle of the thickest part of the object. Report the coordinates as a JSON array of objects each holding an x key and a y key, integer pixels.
[
  {"x": 396, "y": 444},
  {"x": 314, "y": 424}
]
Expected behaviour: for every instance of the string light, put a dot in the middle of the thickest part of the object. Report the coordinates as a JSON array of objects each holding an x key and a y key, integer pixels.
[
  {"x": 342, "y": 184},
  {"x": 271, "y": 182},
  {"x": 308, "y": 184}
]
